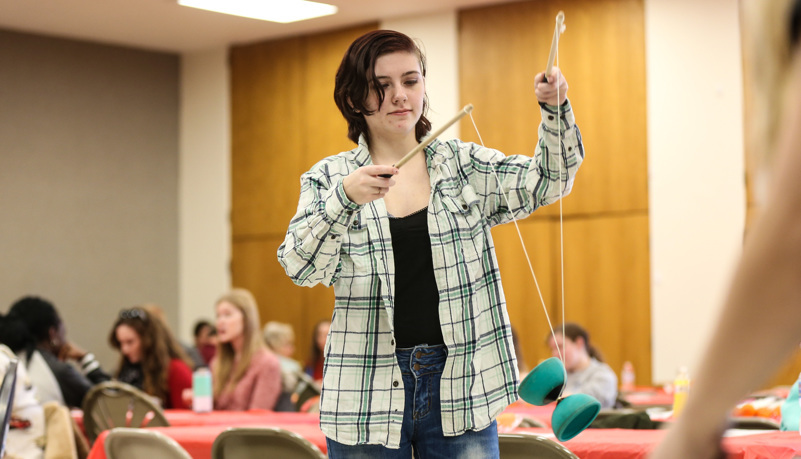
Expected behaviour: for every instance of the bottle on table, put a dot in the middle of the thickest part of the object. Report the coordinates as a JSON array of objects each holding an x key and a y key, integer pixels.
[
  {"x": 627, "y": 377},
  {"x": 202, "y": 398},
  {"x": 681, "y": 389}
]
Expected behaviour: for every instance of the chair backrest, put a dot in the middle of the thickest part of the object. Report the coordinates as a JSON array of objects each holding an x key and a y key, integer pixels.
[
  {"x": 250, "y": 442},
  {"x": 115, "y": 404},
  {"x": 129, "y": 443},
  {"x": 7, "y": 401},
  {"x": 304, "y": 390},
  {"x": 514, "y": 446}
]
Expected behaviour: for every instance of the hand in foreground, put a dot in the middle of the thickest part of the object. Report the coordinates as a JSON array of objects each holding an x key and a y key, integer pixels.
[
  {"x": 546, "y": 91},
  {"x": 687, "y": 444},
  {"x": 365, "y": 184}
]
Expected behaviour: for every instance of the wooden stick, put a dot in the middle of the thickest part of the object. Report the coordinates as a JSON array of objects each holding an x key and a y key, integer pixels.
[
  {"x": 560, "y": 27},
  {"x": 467, "y": 109}
]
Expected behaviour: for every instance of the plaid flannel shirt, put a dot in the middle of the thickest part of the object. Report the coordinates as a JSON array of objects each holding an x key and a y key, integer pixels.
[{"x": 334, "y": 241}]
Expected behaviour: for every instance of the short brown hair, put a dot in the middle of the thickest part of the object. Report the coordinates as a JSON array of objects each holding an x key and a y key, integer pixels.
[{"x": 356, "y": 75}]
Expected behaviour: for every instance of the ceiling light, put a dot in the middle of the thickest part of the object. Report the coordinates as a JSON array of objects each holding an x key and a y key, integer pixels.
[{"x": 268, "y": 10}]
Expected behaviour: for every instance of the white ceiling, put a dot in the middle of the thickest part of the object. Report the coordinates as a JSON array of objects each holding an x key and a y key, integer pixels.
[{"x": 165, "y": 26}]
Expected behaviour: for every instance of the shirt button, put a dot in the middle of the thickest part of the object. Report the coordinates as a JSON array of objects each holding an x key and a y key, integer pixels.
[
  {"x": 333, "y": 236},
  {"x": 550, "y": 117},
  {"x": 392, "y": 342},
  {"x": 394, "y": 383},
  {"x": 416, "y": 367},
  {"x": 419, "y": 354}
]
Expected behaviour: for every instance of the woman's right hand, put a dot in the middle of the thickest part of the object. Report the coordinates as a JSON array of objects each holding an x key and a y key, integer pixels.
[{"x": 365, "y": 184}]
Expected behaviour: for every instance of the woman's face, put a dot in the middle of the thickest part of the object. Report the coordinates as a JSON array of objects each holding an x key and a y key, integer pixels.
[
  {"x": 130, "y": 343},
  {"x": 570, "y": 351},
  {"x": 230, "y": 322},
  {"x": 322, "y": 334},
  {"x": 404, "y": 91}
]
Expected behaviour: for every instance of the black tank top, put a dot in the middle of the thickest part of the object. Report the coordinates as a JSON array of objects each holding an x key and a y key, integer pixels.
[{"x": 416, "y": 294}]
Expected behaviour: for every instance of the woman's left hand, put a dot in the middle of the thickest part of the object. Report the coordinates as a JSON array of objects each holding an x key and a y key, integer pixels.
[{"x": 547, "y": 91}]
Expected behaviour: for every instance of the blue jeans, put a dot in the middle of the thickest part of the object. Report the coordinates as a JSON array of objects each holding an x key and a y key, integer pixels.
[{"x": 421, "y": 434}]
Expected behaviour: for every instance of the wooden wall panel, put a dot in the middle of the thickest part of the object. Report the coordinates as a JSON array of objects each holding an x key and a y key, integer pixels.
[
  {"x": 267, "y": 88},
  {"x": 601, "y": 53},
  {"x": 283, "y": 121},
  {"x": 607, "y": 287},
  {"x": 607, "y": 265},
  {"x": 523, "y": 302}
]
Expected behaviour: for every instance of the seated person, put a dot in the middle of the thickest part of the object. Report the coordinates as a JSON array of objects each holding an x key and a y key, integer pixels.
[
  {"x": 586, "y": 372},
  {"x": 245, "y": 374},
  {"x": 205, "y": 341},
  {"x": 150, "y": 357},
  {"x": 314, "y": 366},
  {"x": 48, "y": 354},
  {"x": 26, "y": 434}
]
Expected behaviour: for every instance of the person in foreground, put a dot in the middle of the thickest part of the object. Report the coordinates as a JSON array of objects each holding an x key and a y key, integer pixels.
[
  {"x": 765, "y": 293},
  {"x": 419, "y": 356},
  {"x": 586, "y": 371}
]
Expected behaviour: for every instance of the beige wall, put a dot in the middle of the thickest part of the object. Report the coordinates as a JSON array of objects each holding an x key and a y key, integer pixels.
[
  {"x": 88, "y": 180},
  {"x": 696, "y": 167},
  {"x": 204, "y": 186}
]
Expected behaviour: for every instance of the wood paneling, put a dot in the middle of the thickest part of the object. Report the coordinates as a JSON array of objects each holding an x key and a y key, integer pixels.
[
  {"x": 607, "y": 265},
  {"x": 283, "y": 121},
  {"x": 602, "y": 55}
]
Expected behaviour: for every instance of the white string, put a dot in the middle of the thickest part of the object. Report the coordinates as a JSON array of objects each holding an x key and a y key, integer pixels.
[{"x": 561, "y": 228}]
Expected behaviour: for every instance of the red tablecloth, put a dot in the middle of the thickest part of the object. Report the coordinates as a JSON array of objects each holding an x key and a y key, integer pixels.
[
  {"x": 647, "y": 397},
  {"x": 197, "y": 440},
  {"x": 627, "y": 444},
  {"x": 179, "y": 418}
]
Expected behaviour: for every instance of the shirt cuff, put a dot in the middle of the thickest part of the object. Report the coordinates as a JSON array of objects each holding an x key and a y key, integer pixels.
[
  {"x": 340, "y": 209},
  {"x": 89, "y": 363}
]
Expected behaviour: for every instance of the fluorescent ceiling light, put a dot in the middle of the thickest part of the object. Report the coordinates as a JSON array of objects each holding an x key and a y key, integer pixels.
[{"x": 268, "y": 10}]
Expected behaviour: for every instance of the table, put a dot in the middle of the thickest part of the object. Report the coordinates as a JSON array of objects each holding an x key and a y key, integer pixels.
[
  {"x": 645, "y": 397},
  {"x": 626, "y": 444},
  {"x": 182, "y": 418},
  {"x": 198, "y": 440}
]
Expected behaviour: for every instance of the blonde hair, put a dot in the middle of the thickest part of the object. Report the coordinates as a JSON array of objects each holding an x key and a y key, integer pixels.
[
  {"x": 277, "y": 334},
  {"x": 225, "y": 373},
  {"x": 768, "y": 24}
]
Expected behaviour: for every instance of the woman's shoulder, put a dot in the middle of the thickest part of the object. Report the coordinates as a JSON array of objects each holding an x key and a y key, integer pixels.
[
  {"x": 265, "y": 358},
  {"x": 177, "y": 364}
]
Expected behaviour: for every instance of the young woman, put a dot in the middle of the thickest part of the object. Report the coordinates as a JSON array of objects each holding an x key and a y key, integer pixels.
[
  {"x": 420, "y": 351},
  {"x": 245, "y": 374},
  {"x": 765, "y": 293},
  {"x": 151, "y": 359},
  {"x": 586, "y": 371},
  {"x": 49, "y": 356},
  {"x": 314, "y": 366}
]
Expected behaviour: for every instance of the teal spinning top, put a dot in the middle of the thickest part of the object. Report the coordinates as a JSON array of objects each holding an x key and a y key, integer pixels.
[{"x": 572, "y": 414}]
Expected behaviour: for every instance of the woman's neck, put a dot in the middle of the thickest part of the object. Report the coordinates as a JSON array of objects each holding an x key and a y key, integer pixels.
[
  {"x": 385, "y": 150},
  {"x": 237, "y": 344}
]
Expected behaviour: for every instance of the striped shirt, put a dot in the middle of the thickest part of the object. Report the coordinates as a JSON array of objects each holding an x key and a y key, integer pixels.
[{"x": 334, "y": 241}]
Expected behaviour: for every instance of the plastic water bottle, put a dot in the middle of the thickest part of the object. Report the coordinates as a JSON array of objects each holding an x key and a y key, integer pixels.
[
  {"x": 627, "y": 377},
  {"x": 681, "y": 389},
  {"x": 202, "y": 398}
]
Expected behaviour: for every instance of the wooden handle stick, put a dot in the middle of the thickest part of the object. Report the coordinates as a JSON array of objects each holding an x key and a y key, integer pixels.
[
  {"x": 560, "y": 27},
  {"x": 467, "y": 109}
]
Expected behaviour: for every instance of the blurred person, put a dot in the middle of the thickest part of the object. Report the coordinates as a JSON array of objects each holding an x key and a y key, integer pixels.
[
  {"x": 157, "y": 312},
  {"x": 245, "y": 374},
  {"x": 586, "y": 371},
  {"x": 26, "y": 436},
  {"x": 314, "y": 365},
  {"x": 205, "y": 340},
  {"x": 759, "y": 324},
  {"x": 150, "y": 358},
  {"x": 280, "y": 338},
  {"x": 48, "y": 353}
]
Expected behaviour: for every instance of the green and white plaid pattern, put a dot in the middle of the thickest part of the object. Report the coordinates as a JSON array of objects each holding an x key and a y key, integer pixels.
[{"x": 334, "y": 241}]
